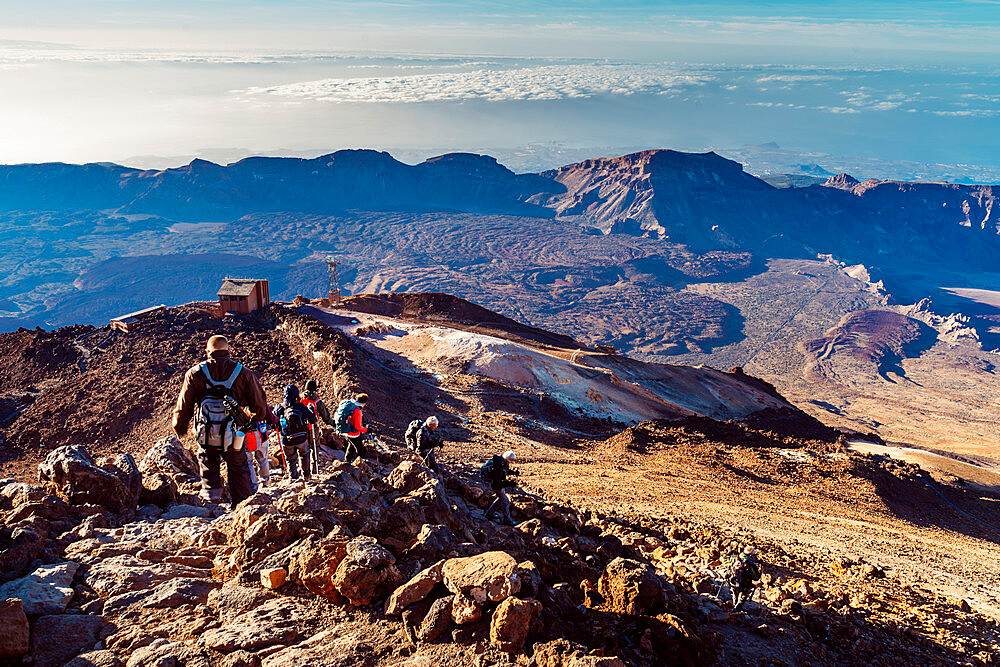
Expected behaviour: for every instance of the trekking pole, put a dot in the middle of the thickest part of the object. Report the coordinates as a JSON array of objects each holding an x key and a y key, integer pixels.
[
  {"x": 314, "y": 430},
  {"x": 281, "y": 450}
]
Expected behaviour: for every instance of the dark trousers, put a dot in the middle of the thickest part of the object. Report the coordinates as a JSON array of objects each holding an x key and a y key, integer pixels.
[
  {"x": 293, "y": 455},
  {"x": 501, "y": 503},
  {"x": 238, "y": 472},
  {"x": 430, "y": 461},
  {"x": 355, "y": 448}
]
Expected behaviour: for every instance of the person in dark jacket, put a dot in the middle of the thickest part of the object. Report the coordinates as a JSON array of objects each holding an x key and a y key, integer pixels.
[
  {"x": 421, "y": 438},
  {"x": 312, "y": 397},
  {"x": 294, "y": 419},
  {"x": 495, "y": 472},
  {"x": 203, "y": 384}
]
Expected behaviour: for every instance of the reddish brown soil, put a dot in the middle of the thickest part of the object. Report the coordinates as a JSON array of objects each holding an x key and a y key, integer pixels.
[{"x": 800, "y": 499}]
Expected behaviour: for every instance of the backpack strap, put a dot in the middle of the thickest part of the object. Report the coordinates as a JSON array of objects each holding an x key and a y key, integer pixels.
[{"x": 228, "y": 384}]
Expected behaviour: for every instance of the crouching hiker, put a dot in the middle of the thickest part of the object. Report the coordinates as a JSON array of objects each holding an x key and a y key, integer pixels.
[
  {"x": 348, "y": 420},
  {"x": 203, "y": 395},
  {"x": 495, "y": 472},
  {"x": 421, "y": 438},
  {"x": 294, "y": 420},
  {"x": 744, "y": 575}
]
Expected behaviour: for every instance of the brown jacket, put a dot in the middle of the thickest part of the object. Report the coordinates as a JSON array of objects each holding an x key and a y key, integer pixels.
[{"x": 246, "y": 390}]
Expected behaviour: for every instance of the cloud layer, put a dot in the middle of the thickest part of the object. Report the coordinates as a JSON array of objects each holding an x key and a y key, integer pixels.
[{"x": 548, "y": 82}]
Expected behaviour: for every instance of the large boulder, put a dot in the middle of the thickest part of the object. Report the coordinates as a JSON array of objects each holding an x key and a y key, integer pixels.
[
  {"x": 314, "y": 564},
  {"x": 47, "y": 590},
  {"x": 13, "y": 629},
  {"x": 415, "y": 590},
  {"x": 409, "y": 476},
  {"x": 630, "y": 587},
  {"x": 367, "y": 570},
  {"x": 511, "y": 622},
  {"x": 19, "y": 547},
  {"x": 168, "y": 455},
  {"x": 406, "y": 516},
  {"x": 487, "y": 577},
  {"x": 56, "y": 639},
  {"x": 73, "y": 474}
]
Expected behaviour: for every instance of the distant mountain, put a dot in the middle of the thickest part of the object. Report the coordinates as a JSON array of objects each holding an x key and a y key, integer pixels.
[
  {"x": 204, "y": 191},
  {"x": 702, "y": 200},
  {"x": 599, "y": 244}
]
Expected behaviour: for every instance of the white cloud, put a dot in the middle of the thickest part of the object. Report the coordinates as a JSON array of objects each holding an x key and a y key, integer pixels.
[
  {"x": 547, "y": 82},
  {"x": 796, "y": 78}
]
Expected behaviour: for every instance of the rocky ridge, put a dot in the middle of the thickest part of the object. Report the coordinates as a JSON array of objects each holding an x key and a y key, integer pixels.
[{"x": 385, "y": 561}]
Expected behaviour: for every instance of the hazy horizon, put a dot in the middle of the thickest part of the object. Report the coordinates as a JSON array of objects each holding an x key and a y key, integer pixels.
[{"x": 153, "y": 82}]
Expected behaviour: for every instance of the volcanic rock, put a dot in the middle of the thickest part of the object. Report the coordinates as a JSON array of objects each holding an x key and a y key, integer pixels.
[
  {"x": 465, "y": 610},
  {"x": 56, "y": 639},
  {"x": 168, "y": 455},
  {"x": 13, "y": 629},
  {"x": 438, "y": 619},
  {"x": 78, "y": 479},
  {"x": 47, "y": 590},
  {"x": 415, "y": 590},
  {"x": 163, "y": 652},
  {"x": 96, "y": 659},
  {"x": 366, "y": 570},
  {"x": 158, "y": 489},
  {"x": 511, "y": 623},
  {"x": 490, "y": 576},
  {"x": 630, "y": 587}
]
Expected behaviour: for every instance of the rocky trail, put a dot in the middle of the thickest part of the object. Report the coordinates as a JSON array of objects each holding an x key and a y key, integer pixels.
[{"x": 110, "y": 558}]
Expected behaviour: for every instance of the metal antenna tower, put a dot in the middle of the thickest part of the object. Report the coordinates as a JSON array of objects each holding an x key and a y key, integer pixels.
[{"x": 334, "y": 288}]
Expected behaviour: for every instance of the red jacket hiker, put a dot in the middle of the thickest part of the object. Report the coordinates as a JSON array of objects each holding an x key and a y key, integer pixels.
[{"x": 356, "y": 427}]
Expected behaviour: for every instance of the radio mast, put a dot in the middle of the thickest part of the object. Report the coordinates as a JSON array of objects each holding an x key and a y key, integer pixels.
[{"x": 333, "y": 292}]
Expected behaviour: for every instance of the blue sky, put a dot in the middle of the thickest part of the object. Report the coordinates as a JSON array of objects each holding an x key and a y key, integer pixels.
[
  {"x": 522, "y": 28},
  {"x": 159, "y": 82}
]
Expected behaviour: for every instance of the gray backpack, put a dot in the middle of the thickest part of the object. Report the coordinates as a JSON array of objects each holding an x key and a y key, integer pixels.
[{"x": 213, "y": 425}]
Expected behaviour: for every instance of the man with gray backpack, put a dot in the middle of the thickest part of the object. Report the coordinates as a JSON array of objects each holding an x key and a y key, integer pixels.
[{"x": 204, "y": 394}]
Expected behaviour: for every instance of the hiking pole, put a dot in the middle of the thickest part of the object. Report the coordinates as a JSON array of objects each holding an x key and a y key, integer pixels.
[
  {"x": 281, "y": 450},
  {"x": 314, "y": 432}
]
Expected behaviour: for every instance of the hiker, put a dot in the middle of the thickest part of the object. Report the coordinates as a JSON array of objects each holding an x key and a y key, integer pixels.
[
  {"x": 312, "y": 401},
  {"x": 202, "y": 395},
  {"x": 495, "y": 472},
  {"x": 257, "y": 448},
  {"x": 745, "y": 573},
  {"x": 347, "y": 420},
  {"x": 421, "y": 438},
  {"x": 293, "y": 426}
]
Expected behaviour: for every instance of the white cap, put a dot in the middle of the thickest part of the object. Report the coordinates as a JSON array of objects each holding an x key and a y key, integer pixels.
[
  {"x": 509, "y": 455},
  {"x": 749, "y": 551},
  {"x": 431, "y": 421}
]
